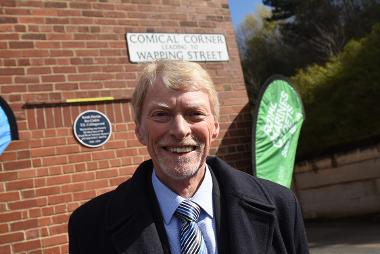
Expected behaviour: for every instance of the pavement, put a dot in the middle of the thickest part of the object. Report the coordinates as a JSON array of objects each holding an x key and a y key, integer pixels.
[{"x": 360, "y": 235}]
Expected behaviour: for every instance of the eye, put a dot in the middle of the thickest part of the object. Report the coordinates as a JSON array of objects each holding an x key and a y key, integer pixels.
[
  {"x": 196, "y": 115},
  {"x": 160, "y": 116}
]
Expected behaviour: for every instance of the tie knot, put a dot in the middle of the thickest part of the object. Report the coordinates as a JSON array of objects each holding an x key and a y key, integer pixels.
[{"x": 188, "y": 211}]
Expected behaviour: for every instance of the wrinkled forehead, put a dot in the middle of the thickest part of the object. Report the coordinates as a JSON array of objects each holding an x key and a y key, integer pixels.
[{"x": 180, "y": 85}]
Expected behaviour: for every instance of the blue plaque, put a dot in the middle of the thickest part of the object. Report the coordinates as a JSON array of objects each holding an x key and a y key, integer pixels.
[{"x": 92, "y": 128}]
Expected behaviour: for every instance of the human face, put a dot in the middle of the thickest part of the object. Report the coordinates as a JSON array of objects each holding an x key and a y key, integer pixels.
[{"x": 177, "y": 127}]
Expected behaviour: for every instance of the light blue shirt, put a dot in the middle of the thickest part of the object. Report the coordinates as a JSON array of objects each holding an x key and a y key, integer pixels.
[{"x": 169, "y": 201}]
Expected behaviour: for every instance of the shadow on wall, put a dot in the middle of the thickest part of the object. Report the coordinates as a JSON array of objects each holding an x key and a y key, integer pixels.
[{"x": 235, "y": 146}]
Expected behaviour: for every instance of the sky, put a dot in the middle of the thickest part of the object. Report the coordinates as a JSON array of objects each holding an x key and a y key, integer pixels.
[{"x": 241, "y": 8}]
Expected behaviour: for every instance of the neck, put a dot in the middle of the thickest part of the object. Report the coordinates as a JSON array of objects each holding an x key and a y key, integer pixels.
[{"x": 187, "y": 187}]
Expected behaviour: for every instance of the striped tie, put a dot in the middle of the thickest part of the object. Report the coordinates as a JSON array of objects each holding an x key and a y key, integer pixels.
[{"x": 190, "y": 236}]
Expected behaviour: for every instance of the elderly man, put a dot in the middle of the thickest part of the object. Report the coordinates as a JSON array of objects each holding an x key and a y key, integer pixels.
[{"x": 182, "y": 200}]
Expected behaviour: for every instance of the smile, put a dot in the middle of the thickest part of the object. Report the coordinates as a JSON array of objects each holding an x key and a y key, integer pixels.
[{"x": 182, "y": 149}]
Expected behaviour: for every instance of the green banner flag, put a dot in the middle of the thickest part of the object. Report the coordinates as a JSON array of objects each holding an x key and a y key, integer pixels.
[{"x": 279, "y": 117}]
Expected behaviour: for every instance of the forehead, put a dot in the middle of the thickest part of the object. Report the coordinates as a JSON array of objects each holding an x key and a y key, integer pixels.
[{"x": 159, "y": 94}]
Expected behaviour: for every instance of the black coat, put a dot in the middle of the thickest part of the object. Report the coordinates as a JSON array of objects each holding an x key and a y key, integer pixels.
[{"x": 252, "y": 216}]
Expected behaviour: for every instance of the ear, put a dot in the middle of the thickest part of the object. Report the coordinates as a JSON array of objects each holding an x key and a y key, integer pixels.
[
  {"x": 215, "y": 133},
  {"x": 140, "y": 134}
]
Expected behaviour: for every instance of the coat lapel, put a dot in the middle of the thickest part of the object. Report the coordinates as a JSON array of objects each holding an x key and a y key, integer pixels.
[
  {"x": 247, "y": 219},
  {"x": 130, "y": 219},
  {"x": 250, "y": 224},
  {"x": 134, "y": 237}
]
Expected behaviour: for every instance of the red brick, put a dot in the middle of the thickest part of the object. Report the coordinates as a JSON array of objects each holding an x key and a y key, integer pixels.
[
  {"x": 8, "y": 176},
  {"x": 34, "y": 213},
  {"x": 11, "y": 216},
  {"x": 7, "y": 20},
  {"x": 59, "y": 36},
  {"x": 12, "y": 71},
  {"x": 57, "y": 170},
  {"x": 27, "y": 204},
  {"x": 66, "y": 86},
  {"x": 12, "y": 237},
  {"x": 54, "y": 141},
  {"x": 87, "y": 52},
  {"x": 27, "y": 194},
  {"x": 47, "y": 44},
  {"x": 79, "y": 77},
  {"x": 103, "y": 164},
  {"x": 27, "y": 246},
  {"x": 27, "y": 79},
  {"x": 40, "y": 87},
  {"x": 4, "y": 228},
  {"x": 49, "y": 118},
  {"x": 46, "y": 191},
  {"x": 9, "y": 196},
  {"x": 47, "y": 211},
  {"x": 74, "y": 187},
  {"x": 15, "y": 165},
  {"x": 65, "y": 69},
  {"x": 53, "y": 250},
  {"x": 79, "y": 157},
  {"x": 25, "y": 224},
  {"x": 5, "y": 249},
  {"x": 103, "y": 155},
  {"x": 69, "y": 149},
  {"x": 56, "y": 160},
  {"x": 60, "y": 199},
  {"x": 54, "y": 240},
  {"x": 105, "y": 174},
  {"x": 38, "y": 70},
  {"x": 40, "y": 118},
  {"x": 55, "y": 5},
  {"x": 9, "y": 62},
  {"x": 21, "y": 44},
  {"x": 24, "y": 174},
  {"x": 8, "y": 36},
  {"x": 20, "y": 184},
  {"x": 86, "y": 195},
  {"x": 33, "y": 36},
  {"x": 37, "y": 162},
  {"x": 83, "y": 177},
  {"x": 84, "y": 69},
  {"x": 60, "y": 53},
  {"x": 53, "y": 78},
  {"x": 58, "y": 180},
  {"x": 35, "y": 53},
  {"x": 8, "y": 156},
  {"x": 13, "y": 89},
  {"x": 58, "y": 229},
  {"x": 101, "y": 76}
]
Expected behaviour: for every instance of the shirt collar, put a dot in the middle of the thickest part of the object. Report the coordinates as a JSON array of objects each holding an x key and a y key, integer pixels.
[{"x": 169, "y": 200}]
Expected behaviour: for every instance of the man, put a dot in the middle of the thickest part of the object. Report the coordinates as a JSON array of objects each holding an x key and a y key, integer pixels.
[{"x": 176, "y": 112}]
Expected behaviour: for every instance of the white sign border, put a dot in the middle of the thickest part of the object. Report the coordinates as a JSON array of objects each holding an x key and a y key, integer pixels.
[{"x": 132, "y": 50}]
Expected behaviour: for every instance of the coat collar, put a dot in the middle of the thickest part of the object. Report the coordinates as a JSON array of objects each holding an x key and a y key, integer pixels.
[
  {"x": 245, "y": 219},
  {"x": 247, "y": 213},
  {"x": 133, "y": 217}
]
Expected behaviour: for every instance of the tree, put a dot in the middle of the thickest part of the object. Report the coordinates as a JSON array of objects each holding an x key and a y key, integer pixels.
[
  {"x": 341, "y": 97},
  {"x": 320, "y": 44},
  {"x": 321, "y": 28},
  {"x": 262, "y": 50}
]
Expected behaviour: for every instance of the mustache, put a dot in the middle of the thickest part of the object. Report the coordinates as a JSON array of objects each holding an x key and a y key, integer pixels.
[{"x": 191, "y": 141}]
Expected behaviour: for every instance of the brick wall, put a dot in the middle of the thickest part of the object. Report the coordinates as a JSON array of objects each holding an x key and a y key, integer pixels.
[{"x": 51, "y": 51}]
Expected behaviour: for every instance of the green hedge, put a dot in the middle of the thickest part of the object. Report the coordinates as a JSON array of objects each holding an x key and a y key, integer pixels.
[{"x": 342, "y": 98}]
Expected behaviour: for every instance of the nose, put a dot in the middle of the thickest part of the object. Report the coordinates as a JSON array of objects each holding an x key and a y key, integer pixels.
[{"x": 180, "y": 127}]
